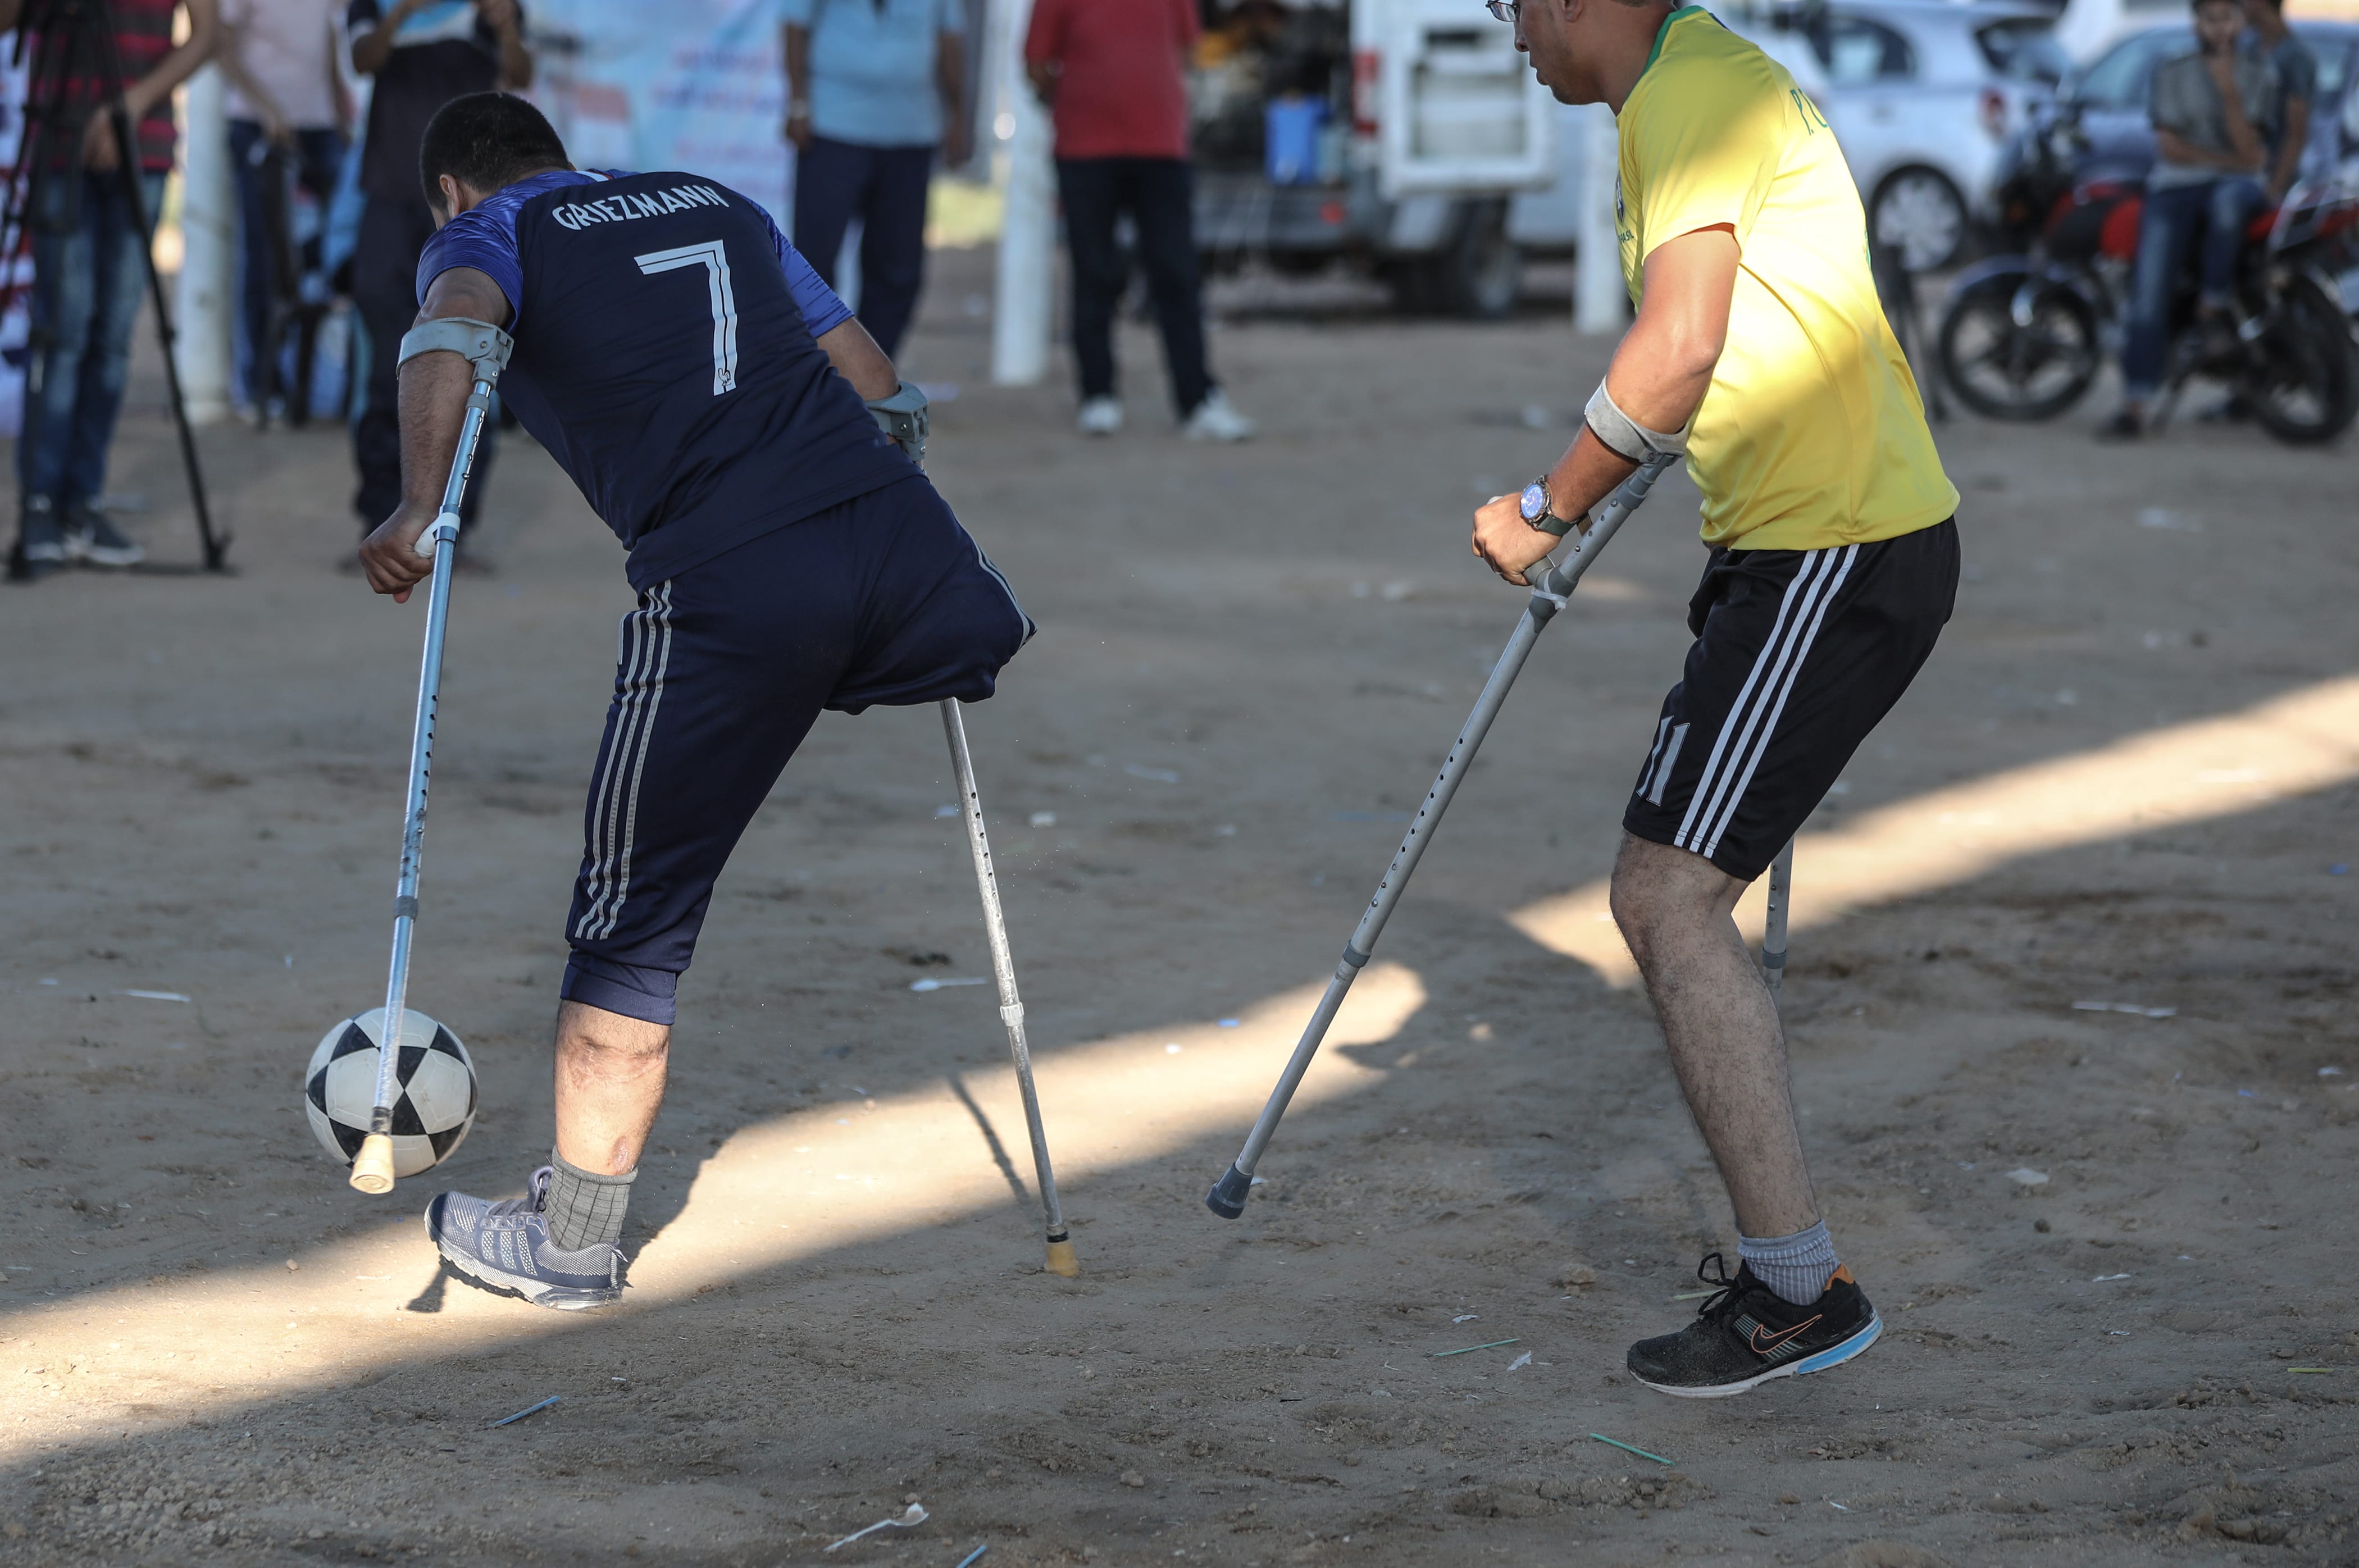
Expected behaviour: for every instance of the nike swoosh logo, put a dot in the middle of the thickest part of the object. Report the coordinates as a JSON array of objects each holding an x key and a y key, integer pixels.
[{"x": 1764, "y": 1346}]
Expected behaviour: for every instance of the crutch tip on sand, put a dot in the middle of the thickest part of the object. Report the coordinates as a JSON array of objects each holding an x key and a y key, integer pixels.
[
  {"x": 1227, "y": 1198},
  {"x": 1062, "y": 1261}
]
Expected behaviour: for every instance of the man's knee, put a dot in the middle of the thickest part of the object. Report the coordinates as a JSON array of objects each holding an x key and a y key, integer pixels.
[
  {"x": 598, "y": 1043},
  {"x": 1657, "y": 890}
]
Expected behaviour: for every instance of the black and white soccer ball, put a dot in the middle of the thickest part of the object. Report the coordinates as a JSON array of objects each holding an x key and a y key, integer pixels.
[{"x": 436, "y": 1104}]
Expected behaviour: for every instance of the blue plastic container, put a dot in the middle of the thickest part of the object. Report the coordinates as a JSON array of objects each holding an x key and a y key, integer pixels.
[{"x": 1290, "y": 130}]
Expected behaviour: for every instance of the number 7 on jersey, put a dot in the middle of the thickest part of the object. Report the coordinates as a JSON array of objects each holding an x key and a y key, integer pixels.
[{"x": 715, "y": 262}]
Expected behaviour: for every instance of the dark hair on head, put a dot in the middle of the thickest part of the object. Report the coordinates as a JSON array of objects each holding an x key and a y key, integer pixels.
[{"x": 486, "y": 140}]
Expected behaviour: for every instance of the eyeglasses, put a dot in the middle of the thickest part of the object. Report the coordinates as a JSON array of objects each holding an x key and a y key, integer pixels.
[{"x": 1504, "y": 9}]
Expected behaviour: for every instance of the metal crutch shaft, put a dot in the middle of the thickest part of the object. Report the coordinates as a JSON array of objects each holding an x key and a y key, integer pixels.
[
  {"x": 1773, "y": 934},
  {"x": 1061, "y": 1260},
  {"x": 373, "y": 1167},
  {"x": 1552, "y": 582}
]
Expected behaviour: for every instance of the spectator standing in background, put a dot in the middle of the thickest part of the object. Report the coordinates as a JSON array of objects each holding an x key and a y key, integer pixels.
[
  {"x": 285, "y": 97},
  {"x": 2297, "y": 70},
  {"x": 423, "y": 53},
  {"x": 88, "y": 275},
  {"x": 1113, "y": 75},
  {"x": 873, "y": 88},
  {"x": 2209, "y": 109}
]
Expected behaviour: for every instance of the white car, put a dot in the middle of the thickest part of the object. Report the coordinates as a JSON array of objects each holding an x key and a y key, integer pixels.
[{"x": 1923, "y": 94}]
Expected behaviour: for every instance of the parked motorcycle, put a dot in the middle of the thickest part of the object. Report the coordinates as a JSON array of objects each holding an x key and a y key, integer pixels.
[{"x": 2023, "y": 335}]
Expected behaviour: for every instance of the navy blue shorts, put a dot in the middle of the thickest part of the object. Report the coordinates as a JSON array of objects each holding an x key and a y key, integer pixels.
[{"x": 722, "y": 672}]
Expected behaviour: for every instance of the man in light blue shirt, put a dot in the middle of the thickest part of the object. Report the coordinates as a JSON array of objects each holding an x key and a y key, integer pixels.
[{"x": 873, "y": 88}]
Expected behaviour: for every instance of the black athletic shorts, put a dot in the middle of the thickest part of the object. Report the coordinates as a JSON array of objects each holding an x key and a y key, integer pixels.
[{"x": 1798, "y": 653}]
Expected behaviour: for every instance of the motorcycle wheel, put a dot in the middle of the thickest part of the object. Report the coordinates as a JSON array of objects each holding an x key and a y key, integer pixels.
[
  {"x": 2305, "y": 389},
  {"x": 2024, "y": 373}
]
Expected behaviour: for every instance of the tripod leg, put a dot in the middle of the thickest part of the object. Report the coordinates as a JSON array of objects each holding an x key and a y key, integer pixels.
[
  {"x": 1061, "y": 1260},
  {"x": 216, "y": 546}
]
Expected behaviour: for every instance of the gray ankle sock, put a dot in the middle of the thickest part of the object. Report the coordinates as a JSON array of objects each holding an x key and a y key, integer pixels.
[
  {"x": 584, "y": 1207},
  {"x": 1797, "y": 1267}
]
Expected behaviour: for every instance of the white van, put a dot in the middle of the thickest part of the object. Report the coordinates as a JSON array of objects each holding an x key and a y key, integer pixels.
[{"x": 1390, "y": 135}]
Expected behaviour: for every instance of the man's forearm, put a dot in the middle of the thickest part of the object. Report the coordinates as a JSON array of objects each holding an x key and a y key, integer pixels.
[
  {"x": 515, "y": 60},
  {"x": 205, "y": 35},
  {"x": 950, "y": 77},
  {"x": 796, "y": 45},
  {"x": 2296, "y": 135},
  {"x": 434, "y": 391},
  {"x": 233, "y": 67},
  {"x": 858, "y": 360}
]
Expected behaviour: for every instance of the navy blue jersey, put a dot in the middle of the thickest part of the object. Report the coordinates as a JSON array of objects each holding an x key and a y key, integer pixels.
[{"x": 666, "y": 355}]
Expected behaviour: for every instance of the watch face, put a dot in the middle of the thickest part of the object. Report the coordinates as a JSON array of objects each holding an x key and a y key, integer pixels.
[{"x": 1533, "y": 502}]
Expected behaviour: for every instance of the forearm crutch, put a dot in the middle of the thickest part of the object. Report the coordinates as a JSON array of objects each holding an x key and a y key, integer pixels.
[
  {"x": 1552, "y": 583},
  {"x": 1061, "y": 1260},
  {"x": 486, "y": 349},
  {"x": 1773, "y": 932}
]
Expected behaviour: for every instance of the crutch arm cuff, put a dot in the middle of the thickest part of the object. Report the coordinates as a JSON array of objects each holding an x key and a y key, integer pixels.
[{"x": 480, "y": 343}]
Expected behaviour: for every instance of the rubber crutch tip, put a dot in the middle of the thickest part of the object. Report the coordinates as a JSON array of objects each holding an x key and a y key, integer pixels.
[
  {"x": 373, "y": 1166},
  {"x": 1062, "y": 1262}
]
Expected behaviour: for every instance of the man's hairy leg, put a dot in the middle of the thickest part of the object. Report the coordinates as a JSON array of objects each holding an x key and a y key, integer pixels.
[
  {"x": 610, "y": 1083},
  {"x": 1677, "y": 911}
]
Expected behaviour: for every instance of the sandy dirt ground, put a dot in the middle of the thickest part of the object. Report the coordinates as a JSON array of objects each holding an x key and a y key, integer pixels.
[{"x": 2111, "y": 1243}]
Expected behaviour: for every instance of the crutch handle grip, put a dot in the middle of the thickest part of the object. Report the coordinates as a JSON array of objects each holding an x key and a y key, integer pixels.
[
  {"x": 1227, "y": 1198},
  {"x": 445, "y": 526}
]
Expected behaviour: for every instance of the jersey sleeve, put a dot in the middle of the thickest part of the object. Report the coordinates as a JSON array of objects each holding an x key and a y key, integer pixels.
[
  {"x": 822, "y": 311},
  {"x": 1706, "y": 154},
  {"x": 479, "y": 239}
]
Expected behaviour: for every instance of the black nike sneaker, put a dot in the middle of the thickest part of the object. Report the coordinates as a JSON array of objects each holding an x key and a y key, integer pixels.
[{"x": 1747, "y": 1334}]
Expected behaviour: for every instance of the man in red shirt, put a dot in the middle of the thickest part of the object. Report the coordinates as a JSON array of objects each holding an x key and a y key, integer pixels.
[{"x": 1112, "y": 74}]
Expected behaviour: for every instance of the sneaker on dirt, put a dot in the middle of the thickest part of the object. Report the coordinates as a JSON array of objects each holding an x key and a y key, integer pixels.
[
  {"x": 91, "y": 535},
  {"x": 505, "y": 1245},
  {"x": 44, "y": 540},
  {"x": 1747, "y": 1334},
  {"x": 1216, "y": 420}
]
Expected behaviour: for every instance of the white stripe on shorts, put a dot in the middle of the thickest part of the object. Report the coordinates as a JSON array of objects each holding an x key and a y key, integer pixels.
[
  {"x": 644, "y": 658},
  {"x": 1744, "y": 734}
]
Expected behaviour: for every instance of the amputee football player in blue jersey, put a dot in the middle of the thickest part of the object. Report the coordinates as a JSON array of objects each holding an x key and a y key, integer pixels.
[{"x": 713, "y": 398}]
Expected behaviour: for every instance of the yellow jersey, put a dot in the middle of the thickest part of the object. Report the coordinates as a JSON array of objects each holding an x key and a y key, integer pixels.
[{"x": 1812, "y": 433}]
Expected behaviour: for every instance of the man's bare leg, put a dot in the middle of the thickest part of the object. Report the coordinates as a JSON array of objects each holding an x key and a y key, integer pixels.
[
  {"x": 1677, "y": 911},
  {"x": 561, "y": 1246},
  {"x": 610, "y": 1083},
  {"x": 610, "y": 1071}
]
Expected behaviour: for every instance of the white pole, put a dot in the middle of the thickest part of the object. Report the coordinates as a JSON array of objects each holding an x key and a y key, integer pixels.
[
  {"x": 207, "y": 292},
  {"x": 1600, "y": 299},
  {"x": 1022, "y": 302}
]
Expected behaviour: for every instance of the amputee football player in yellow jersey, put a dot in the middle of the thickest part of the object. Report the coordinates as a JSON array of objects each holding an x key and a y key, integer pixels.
[{"x": 1761, "y": 353}]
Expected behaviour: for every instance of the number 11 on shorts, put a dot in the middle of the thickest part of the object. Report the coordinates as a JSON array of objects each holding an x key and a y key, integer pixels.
[{"x": 715, "y": 262}]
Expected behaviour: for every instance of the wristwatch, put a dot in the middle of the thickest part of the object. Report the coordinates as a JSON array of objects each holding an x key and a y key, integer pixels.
[{"x": 1538, "y": 509}]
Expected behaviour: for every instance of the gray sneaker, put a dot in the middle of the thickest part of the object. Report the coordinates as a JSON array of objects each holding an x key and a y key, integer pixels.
[
  {"x": 505, "y": 1245},
  {"x": 45, "y": 542},
  {"x": 91, "y": 535}
]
